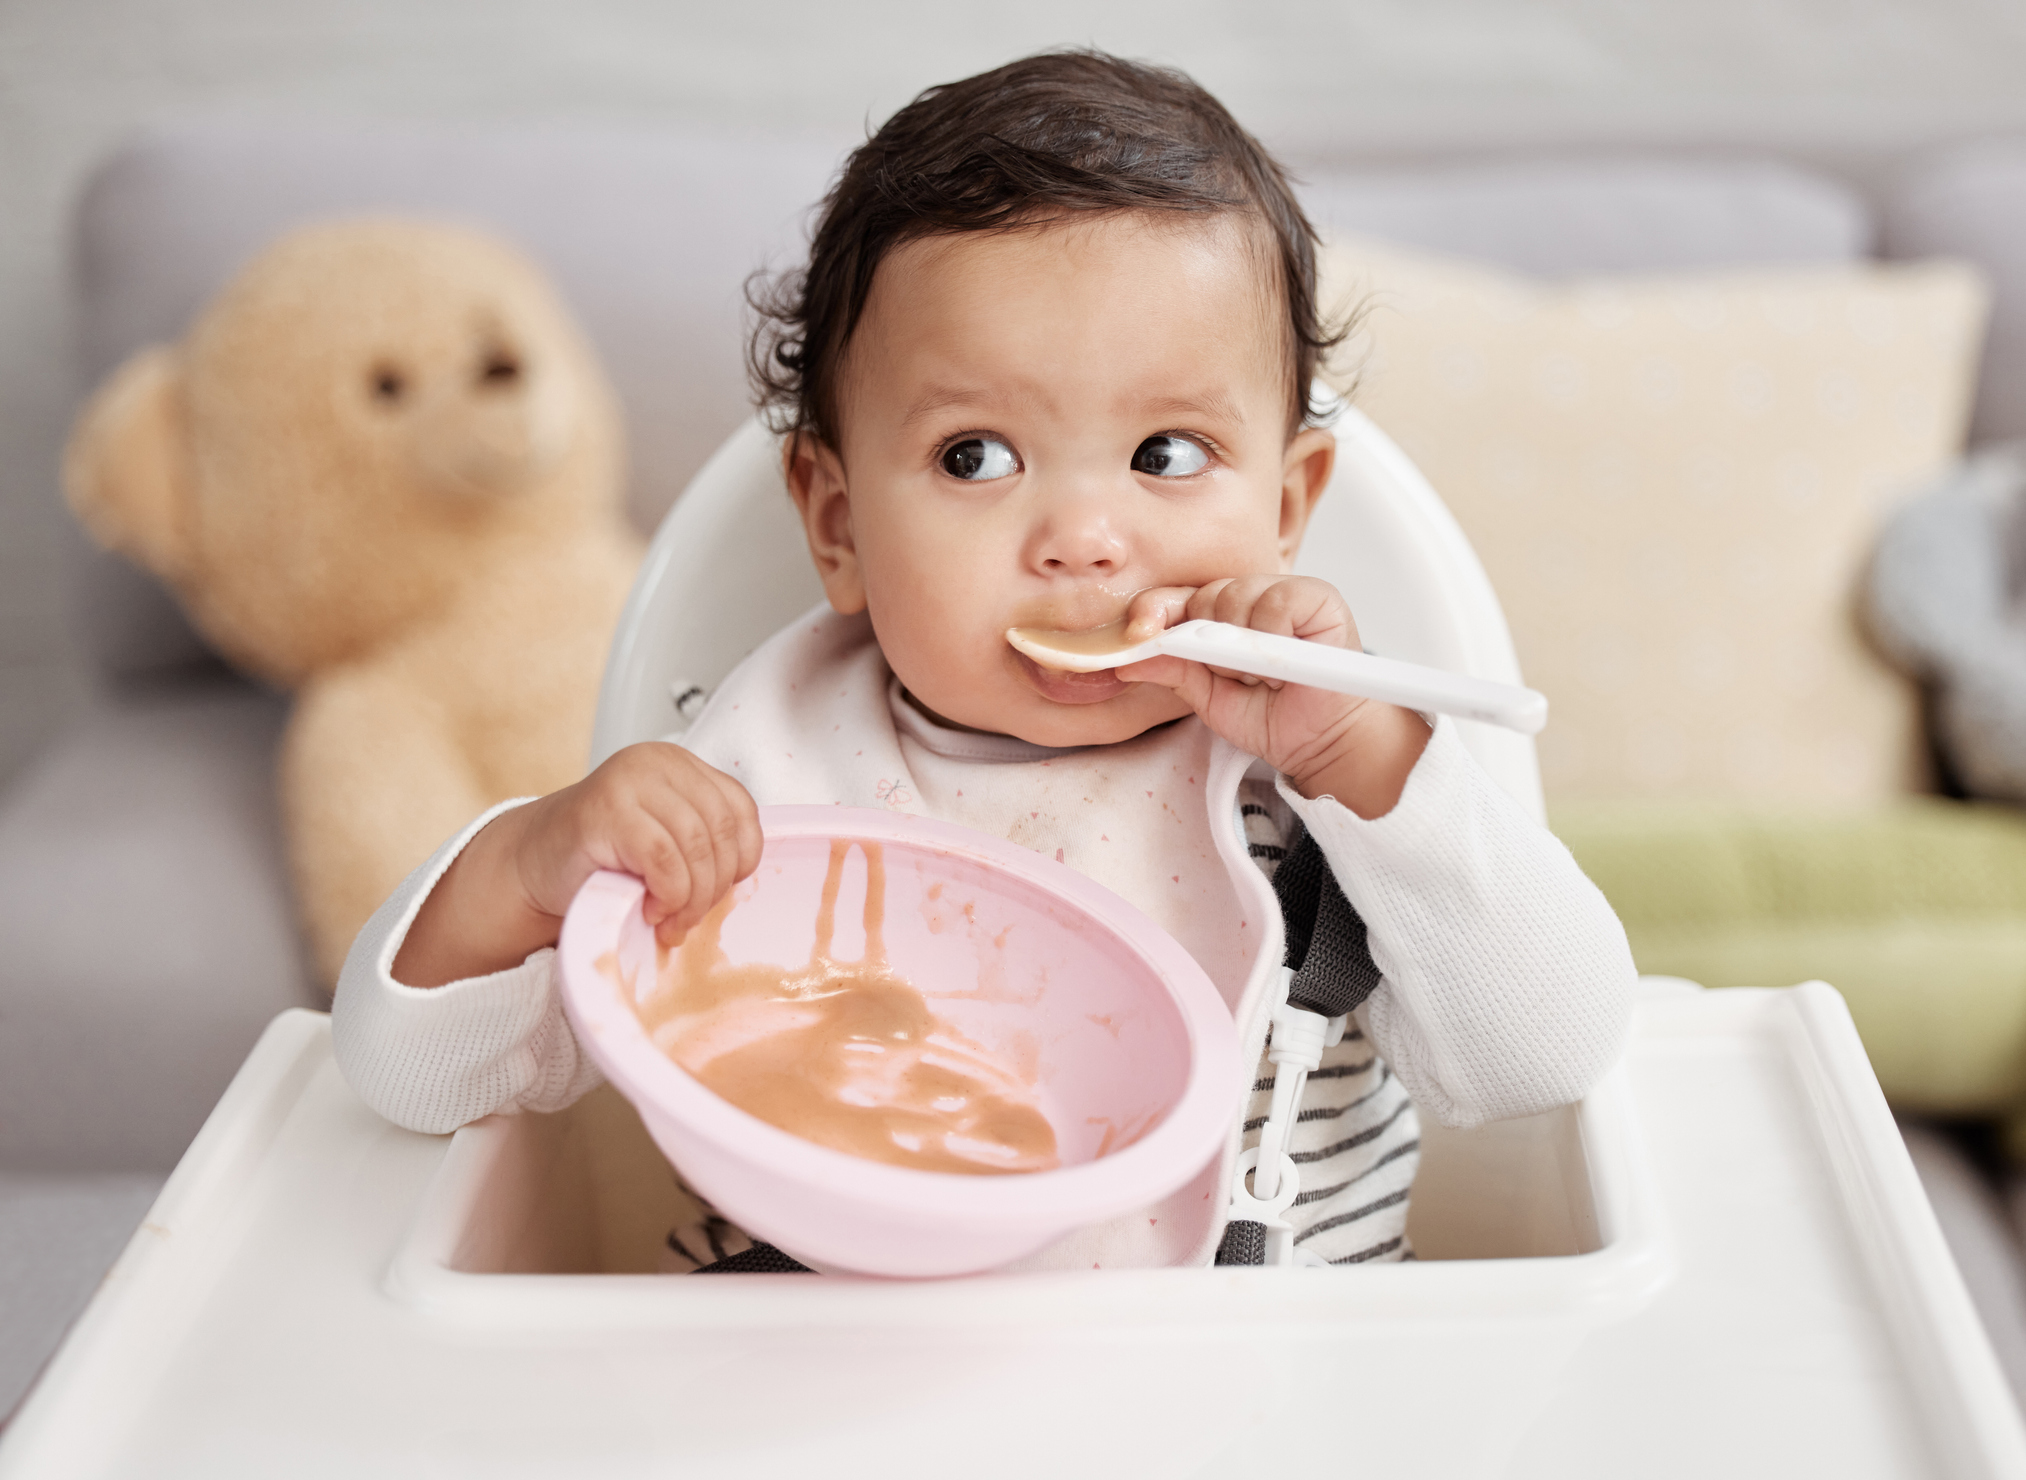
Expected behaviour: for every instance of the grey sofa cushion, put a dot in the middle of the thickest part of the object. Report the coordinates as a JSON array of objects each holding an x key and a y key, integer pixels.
[
  {"x": 649, "y": 234},
  {"x": 58, "y": 1236},
  {"x": 1970, "y": 202},
  {"x": 146, "y": 936},
  {"x": 1555, "y": 217}
]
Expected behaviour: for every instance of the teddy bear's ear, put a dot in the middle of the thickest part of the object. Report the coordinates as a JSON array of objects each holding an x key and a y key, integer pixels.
[{"x": 126, "y": 468}]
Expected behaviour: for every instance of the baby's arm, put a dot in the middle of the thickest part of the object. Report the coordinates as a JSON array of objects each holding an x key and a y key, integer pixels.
[
  {"x": 1507, "y": 981},
  {"x": 436, "y": 1029},
  {"x": 687, "y": 829}
]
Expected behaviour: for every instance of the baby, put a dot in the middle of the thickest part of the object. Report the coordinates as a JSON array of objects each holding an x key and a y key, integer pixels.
[{"x": 1049, "y": 365}]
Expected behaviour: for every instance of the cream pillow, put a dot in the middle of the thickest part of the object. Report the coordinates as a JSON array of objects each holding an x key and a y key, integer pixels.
[{"x": 1673, "y": 483}]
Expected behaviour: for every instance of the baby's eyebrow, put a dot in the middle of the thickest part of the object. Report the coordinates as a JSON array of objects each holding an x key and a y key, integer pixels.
[
  {"x": 942, "y": 398},
  {"x": 1215, "y": 405}
]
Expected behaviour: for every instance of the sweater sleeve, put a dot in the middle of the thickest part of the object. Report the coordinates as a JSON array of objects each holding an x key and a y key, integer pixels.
[
  {"x": 1507, "y": 982},
  {"x": 433, "y": 1059}
]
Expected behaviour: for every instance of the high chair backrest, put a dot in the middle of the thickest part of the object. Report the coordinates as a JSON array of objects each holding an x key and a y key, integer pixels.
[{"x": 729, "y": 567}]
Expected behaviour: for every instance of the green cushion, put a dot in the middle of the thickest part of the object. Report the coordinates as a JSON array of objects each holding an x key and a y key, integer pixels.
[{"x": 1916, "y": 912}]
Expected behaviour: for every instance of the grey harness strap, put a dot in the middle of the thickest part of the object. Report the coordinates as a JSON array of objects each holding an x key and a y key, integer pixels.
[
  {"x": 1333, "y": 973},
  {"x": 759, "y": 1259},
  {"x": 1326, "y": 950}
]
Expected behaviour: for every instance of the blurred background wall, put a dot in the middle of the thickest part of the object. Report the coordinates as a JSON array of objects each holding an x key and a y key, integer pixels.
[{"x": 1859, "y": 86}]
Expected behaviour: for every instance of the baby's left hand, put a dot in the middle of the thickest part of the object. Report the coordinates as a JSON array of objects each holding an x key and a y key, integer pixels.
[{"x": 1359, "y": 751}]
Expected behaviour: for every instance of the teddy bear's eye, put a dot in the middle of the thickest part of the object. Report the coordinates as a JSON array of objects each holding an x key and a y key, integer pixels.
[
  {"x": 500, "y": 368},
  {"x": 389, "y": 385}
]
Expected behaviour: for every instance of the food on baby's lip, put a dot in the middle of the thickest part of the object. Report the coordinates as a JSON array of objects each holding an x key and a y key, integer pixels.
[{"x": 847, "y": 1054}]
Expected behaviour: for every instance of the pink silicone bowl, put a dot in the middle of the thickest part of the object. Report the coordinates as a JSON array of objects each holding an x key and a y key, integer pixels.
[{"x": 1129, "y": 1035}]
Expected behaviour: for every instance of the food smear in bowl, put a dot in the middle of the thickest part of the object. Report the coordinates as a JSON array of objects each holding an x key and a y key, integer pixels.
[{"x": 847, "y": 1054}]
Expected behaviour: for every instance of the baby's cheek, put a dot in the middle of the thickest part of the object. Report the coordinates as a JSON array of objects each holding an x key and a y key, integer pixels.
[{"x": 934, "y": 666}]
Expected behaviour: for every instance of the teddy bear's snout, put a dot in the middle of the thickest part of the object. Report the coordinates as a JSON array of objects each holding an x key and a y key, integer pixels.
[{"x": 495, "y": 430}]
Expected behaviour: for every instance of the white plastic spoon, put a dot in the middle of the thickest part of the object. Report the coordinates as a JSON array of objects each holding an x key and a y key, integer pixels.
[{"x": 1339, "y": 670}]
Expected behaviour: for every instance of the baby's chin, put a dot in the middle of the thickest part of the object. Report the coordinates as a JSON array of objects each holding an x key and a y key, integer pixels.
[{"x": 1062, "y": 726}]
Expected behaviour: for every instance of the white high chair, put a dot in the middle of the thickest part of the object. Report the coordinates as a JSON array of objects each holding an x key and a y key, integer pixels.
[{"x": 1721, "y": 1262}]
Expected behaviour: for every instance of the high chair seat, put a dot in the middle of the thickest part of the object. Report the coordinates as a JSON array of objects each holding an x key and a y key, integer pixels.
[{"x": 729, "y": 567}]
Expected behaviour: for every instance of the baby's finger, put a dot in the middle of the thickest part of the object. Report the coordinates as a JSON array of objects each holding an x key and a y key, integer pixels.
[
  {"x": 708, "y": 880},
  {"x": 727, "y": 824},
  {"x": 1156, "y": 610},
  {"x": 1265, "y": 608},
  {"x": 1163, "y": 672},
  {"x": 648, "y": 849},
  {"x": 746, "y": 838},
  {"x": 1301, "y": 606},
  {"x": 1287, "y": 606},
  {"x": 1200, "y": 606},
  {"x": 1213, "y": 603},
  {"x": 1241, "y": 603}
]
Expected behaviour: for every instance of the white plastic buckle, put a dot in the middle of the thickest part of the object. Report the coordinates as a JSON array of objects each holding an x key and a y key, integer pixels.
[
  {"x": 1299, "y": 1038},
  {"x": 689, "y": 699},
  {"x": 1268, "y": 1211}
]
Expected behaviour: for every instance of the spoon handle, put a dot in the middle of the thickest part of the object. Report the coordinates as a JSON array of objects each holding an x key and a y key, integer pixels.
[{"x": 1343, "y": 671}]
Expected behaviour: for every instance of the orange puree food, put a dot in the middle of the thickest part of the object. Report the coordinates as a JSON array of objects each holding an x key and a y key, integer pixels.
[
  {"x": 1091, "y": 642},
  {"x": 844, "y": 1053}
]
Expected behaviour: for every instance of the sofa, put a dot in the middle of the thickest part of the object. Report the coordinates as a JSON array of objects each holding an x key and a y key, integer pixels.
[{"x": 146, "y": 934}]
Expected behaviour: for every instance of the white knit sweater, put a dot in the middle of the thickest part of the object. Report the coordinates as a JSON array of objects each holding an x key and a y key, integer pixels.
[{"x": 1506, "y": 984}]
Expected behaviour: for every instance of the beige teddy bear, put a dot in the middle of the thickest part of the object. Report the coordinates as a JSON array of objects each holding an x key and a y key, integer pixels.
[{"x": 383, "y": 469}]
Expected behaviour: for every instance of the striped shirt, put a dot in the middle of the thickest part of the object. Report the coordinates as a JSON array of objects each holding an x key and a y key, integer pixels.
[{"x": 1355, "y": 1140}]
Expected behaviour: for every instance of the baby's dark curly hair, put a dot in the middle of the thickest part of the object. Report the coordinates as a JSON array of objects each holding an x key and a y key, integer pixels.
[{"x": 1061, "y": 134}]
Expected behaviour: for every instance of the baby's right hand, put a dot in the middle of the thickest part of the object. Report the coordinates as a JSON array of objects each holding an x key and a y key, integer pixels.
[{"x": 687, "y": 829}]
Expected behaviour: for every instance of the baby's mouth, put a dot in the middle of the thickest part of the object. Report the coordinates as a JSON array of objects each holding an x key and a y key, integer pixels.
[
  {"x": 1103, "y": 621},
  {"x": 1070, "y": 688}
]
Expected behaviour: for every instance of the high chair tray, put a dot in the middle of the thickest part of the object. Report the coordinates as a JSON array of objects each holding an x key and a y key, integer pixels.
[{"x": 1720, "y": 1263}]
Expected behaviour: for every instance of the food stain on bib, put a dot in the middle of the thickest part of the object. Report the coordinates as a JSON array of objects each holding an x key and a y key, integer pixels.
[{"x": 847, "y": 1054}]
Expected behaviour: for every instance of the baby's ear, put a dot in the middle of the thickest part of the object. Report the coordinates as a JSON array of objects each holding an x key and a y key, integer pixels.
[
  {"x": 126, "y": 468},
  {"x": 1311, "y": 458},
  {"x": 815, "y": 478}
]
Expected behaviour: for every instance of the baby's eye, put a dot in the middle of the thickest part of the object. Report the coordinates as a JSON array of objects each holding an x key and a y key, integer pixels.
[
  {"x": 1170, "y": 457},
  {"x": 979, "y": 459}
]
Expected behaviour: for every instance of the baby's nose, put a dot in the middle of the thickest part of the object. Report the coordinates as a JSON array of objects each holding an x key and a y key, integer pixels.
[
  {"x": 1080, "y": 538},
  {"x": 1103, "y": 560}
]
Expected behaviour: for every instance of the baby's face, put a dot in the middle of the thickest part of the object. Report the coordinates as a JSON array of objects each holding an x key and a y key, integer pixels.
[{"x": 1037, "y": 424}]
